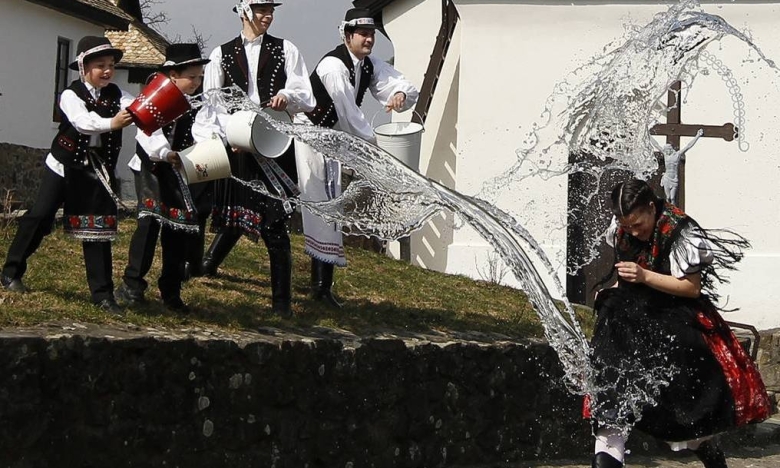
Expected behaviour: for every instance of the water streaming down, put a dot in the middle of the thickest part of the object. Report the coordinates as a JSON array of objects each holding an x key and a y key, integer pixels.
[{"x": 605, "y": 110}]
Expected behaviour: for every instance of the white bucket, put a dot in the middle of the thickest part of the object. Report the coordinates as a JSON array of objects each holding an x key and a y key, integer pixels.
[
  {"x": 402, "y": 140},
  {"x": 204, "y": 161},
  {"x": 247, "y": 132}
]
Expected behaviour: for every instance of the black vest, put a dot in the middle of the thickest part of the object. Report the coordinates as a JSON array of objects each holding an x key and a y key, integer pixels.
[
  {"x": 70, "y": 147},
  {"x": 325, "y": 112},
  {"x": 271, "y": 74},
  {"x": 178, "y": 133}
]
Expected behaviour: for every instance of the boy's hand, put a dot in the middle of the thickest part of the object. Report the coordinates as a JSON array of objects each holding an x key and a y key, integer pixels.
[
  {"x": 174, "y": 159},
  {"x": 396, "y": 103},
  {"x": 278, "y": 102},
  {"x": 121, "y": 120}
]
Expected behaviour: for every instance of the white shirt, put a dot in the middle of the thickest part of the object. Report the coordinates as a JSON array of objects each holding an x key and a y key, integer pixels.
[
  {"x": 156, "y": 146},
  {"x": 212, "y": 119},
  {"x": 385, "y": 83},
  {"x": 86, "y": 122}
]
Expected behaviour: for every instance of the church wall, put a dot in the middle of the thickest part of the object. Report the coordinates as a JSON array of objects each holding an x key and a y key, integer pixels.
[{"x": 511, "y": 55}]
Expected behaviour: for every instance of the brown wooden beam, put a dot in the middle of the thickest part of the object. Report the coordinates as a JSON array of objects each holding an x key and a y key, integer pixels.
[{"x": 726, "y": 131}]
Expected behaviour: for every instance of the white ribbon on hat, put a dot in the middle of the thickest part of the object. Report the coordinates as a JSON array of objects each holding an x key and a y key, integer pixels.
[
  {"x": 83, "y": 55},
  {"x": 354, "y": 23},
  {"x": 243, "y": 8}
]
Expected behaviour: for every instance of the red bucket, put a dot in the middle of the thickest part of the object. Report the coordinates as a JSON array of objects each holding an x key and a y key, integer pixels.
[{"x": 158, "y": 104}]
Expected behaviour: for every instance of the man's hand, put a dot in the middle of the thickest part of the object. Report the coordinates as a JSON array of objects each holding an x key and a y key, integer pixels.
[
  {"x": 278, "y": 102},
  {"x": 174, "y": 159},
  {"x": 630, "y": 272},
  {"x": 121, "y": 120},
  {"x": 396, "y": 103}
]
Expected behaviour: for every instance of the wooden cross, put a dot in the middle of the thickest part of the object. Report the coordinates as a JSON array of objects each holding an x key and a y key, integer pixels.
[{"x": 673, "y": 129}]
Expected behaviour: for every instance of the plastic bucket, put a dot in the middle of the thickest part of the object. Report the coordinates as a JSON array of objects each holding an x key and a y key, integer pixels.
[
  {"x": 204, "y": 161},
  {"x": 402, "y": 140},
  {"x": 158, "y": 104},
  {"x": 247, "y": 132}
]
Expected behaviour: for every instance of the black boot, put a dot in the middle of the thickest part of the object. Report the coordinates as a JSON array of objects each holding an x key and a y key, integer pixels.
[
  {"x": 193, "y": 266},
  {"x": 220, "y": 247},
  {"x": 605, "y": 460},
  {"x": 322, "y": 281},
  {"x": 281, "y": 281},
  {"x": 711, "y": 455}
]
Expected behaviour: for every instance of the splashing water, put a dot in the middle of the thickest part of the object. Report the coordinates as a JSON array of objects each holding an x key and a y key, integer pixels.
[
  {"x": 598, "y": 120},
  {"x": 606, "y": 115}
]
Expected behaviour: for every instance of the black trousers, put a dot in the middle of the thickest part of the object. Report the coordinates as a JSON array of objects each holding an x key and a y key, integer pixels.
[
  {"x": 174, "y": 245},
  {"x": 37, "y": 223}
]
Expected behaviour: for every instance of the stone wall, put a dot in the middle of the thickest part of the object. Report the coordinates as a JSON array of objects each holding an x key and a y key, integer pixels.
[
  {"x": 84, "y": 396},
  {"x": 21, "y": 171},
  {"x": 769, "y": 363},
  {"x": 141, "y": 401}
]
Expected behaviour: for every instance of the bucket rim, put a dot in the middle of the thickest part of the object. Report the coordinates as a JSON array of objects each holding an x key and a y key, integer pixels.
[{"x": 407, "y": 128}]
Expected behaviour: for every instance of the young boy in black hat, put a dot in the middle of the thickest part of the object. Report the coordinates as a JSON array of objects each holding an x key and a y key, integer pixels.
[
  {"x": 340, "y": 82},
  {"x": 79, "y": 172},
  {"x": 163, "y": 198}
]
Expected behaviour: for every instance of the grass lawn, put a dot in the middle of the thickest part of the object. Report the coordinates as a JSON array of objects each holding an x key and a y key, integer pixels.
[{"x": 379, "y": 294}]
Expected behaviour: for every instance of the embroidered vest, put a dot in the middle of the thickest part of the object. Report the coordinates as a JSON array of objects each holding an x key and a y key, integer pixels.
[
  {"x": 70, "y": 147},
  {"x": 653, "y": 255},
  {"x": 325, "y": 112},
  {"x": 178, "y": 133},
  {"x": 271, "y": 74}
]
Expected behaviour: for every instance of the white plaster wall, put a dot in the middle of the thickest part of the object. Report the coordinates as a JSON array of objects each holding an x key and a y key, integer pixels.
[
  {"x": 511, "y": 54},
  {"x": 28, "y": 34}
]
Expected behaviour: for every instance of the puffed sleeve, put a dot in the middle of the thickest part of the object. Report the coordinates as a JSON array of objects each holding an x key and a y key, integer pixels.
[
  {"x": 690, "y": 252},
  {"x": 611, "y": 231}
]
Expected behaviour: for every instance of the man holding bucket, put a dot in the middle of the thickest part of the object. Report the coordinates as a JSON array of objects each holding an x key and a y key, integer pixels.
[
  {"x": 270, "y": 71},
  {"x": 340, "y": 82}
]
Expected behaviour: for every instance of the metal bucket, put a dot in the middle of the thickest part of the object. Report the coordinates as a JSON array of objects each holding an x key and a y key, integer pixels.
[
  {"x": 204, "y": 161},
  {"x": 247, "y": 132},
  {"x": 402, "y": 140}
]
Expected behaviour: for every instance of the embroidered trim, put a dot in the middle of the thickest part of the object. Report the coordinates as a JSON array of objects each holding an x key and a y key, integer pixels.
[
  {"x": 188, "y": 228},
  {"x": 175, "y": 215}
]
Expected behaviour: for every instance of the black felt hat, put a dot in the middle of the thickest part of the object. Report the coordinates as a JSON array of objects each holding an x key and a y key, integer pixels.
[
  {"x": 94, "y": 46},
  {"x": 359, "y": 18},
  {"x": 184, "y": 54}
]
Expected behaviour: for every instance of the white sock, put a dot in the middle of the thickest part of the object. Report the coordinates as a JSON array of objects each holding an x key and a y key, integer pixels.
[{"x": 611, "y": 441}]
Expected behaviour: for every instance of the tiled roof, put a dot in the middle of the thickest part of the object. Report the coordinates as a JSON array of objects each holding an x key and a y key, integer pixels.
[
  {"x": 143, "y": 46},
  {"x": 107, "y": 6}
]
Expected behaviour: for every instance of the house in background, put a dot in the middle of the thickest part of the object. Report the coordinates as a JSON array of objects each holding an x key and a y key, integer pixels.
[
  {"x": 485, "y": 69},
  {"x": 39, "y": 40}
]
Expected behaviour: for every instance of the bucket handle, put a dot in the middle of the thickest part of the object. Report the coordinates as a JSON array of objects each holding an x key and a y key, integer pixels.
[{"x": 413, "y": 112}]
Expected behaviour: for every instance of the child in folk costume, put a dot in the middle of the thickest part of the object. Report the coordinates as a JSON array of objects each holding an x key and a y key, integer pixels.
[
  {"x": 269, "y": 70},
  {"x": 340, "y": 83},
  {"x": 660, "y": 318},
  {"x": 79, "y": 172},
  {"x": 164, "y": 200}
]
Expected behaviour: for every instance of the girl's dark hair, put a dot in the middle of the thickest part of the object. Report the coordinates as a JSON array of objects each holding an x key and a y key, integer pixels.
[{"x": 627, "y": 196}]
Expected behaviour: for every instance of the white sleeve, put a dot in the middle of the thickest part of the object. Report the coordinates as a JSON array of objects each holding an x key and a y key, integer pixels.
[
  {"x": 212, "y": 117},
  {"x": 86, "y": 122},
  {"x": 690, "y": 252},
  {"x": 387, "y": 81},
  {"x": 126, "y": 100},
  {"x": 335, "y": 78},
  {"x": 155, "y": 145},
  {"x": 297, "y": 88}
]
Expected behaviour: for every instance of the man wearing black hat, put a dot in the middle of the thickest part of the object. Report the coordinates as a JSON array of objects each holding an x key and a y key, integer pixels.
[
  {"x": 270, "y": 71},
  {"x": 80, "y": 173},
  {"x": 164, "y": 200},
  {"x": 340, "y": 83}
]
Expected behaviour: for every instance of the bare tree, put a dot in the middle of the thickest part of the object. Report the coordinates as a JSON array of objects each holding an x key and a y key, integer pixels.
[
  {"x": 152, "y": 16},
  {"x": 196, "y": 37}
]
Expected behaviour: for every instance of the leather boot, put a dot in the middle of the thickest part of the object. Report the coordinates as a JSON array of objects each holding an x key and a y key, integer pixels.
[
  {"x": 322, "y": 281},
  {"x": 193, "y": 266},
  {"x": 711, "y": 455},
  {"x": 220, "y": 247},
  {"x": 281, "y": 281},
  {"x": 605, "y": 460}
]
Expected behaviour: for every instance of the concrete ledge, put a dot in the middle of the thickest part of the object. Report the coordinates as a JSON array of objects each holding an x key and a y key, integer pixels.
[{"x": 82, "y": 396}]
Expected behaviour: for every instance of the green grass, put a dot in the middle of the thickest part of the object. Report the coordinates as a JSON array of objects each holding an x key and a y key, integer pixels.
[{"x": 380, "y": 294}]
